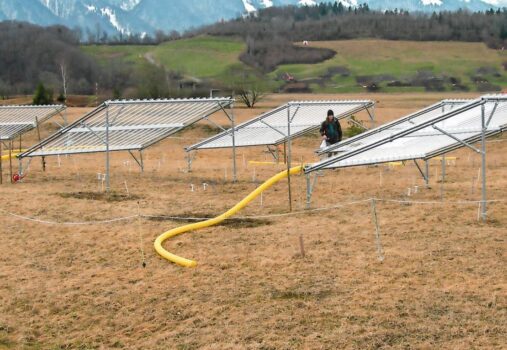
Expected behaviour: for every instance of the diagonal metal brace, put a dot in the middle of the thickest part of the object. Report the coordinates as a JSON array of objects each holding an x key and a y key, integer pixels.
[
  {"x": 420, "y": 170},
  {"x": 464, "y": 143},
  {"x": 139, "y": 162},
  {"x": 271, "y": 127},
  {"x": 492, "y": 114},
  {"x": 294, "y": 114},
  {"x": 213, "y": 123},
  {"x": 94, "y": 133}
]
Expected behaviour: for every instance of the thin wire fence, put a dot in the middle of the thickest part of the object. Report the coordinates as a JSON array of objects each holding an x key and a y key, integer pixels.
[{"x": 268, "y": 216}]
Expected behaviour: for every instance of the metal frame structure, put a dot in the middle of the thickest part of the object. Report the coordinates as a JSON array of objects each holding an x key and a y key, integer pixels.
[
  {"x": 281, "y": 125},
  {"x": 395, "y": 125},
  {"x": 127, "y": 125},
  {"x": 16, "y": 120},
  {"x": 435, "y": 136},
  {"x": 306, "y": 117}
]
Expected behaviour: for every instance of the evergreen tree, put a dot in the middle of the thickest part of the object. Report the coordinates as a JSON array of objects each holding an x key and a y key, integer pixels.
[{"x": 42, "y": 96}]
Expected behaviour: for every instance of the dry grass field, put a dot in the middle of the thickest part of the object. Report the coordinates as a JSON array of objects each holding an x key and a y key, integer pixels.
[{"x": 442, "y": 283}]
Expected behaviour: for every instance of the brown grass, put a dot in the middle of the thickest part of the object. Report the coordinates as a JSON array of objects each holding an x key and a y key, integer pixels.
[{"x": 442, "y": 283}]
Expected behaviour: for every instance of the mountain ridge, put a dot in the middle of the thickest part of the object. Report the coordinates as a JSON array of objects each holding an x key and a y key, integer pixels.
[{"x": 102, "y": 18}]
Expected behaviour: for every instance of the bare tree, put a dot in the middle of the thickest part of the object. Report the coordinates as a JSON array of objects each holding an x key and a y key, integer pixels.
[
  {"x": 250, "y": 96},
  {"x": 62, "y": 64}
]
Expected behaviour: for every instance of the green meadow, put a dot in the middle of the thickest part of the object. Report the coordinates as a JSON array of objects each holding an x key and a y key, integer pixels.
[{"x": 216, "y": 59}]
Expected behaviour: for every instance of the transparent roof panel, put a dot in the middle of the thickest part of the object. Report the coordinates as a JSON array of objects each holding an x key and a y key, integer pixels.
[
  {"x": 127, "y": 125},
  {"x": 271, "y": 128},
  {"x": 17, "y": 120},
  {"x": 426, "y": 138},
  {"x": 406, "y": 122}
]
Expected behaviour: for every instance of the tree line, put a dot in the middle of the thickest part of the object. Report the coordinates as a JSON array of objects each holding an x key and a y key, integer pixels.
[
  {"x": 270, "y": 33},
  {"x": 30, "y": 54}
]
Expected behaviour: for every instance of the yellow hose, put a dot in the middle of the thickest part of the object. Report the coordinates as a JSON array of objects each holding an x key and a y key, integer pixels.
[
  {"x": 211, "y": 222},
  {"x": 6, "y": 157}
]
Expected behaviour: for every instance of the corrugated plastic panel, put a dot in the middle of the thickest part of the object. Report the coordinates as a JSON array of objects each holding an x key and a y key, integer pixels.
[
  {"x": 133, "y": 125},
  {"x": 271, "y": 128}
]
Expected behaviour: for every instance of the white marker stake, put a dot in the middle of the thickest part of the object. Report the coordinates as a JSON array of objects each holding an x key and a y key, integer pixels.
[
  {"x": 262, "y": 199},
  {"x": 127, "y": 189},
  {"x": 409, "y": 191},
  {"x": 59, "y": 161},
  {"x": 204, "y": 186},
  {"x": 191, "y": 187},
  {"x": 416, "y": 189}
]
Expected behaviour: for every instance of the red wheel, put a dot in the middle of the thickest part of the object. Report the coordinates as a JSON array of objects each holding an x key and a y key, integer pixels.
[{"x": 16, "y": 177}]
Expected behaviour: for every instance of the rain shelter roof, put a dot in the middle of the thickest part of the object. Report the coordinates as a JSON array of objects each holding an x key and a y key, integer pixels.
[
  {"x": 127, "y": 125},
  {"x": 271, "y": 128},
  {"x": 423, "y": 136},
  {"x": 17, "y": 120}
]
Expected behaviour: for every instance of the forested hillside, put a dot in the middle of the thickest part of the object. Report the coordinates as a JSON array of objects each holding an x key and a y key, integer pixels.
[
  {"x": 269, "y": 33},
  {"x": 265, "y": 50}
]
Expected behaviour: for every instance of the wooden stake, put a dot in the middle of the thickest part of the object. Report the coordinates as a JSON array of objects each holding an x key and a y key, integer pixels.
[{"x": 302, "y": 245}]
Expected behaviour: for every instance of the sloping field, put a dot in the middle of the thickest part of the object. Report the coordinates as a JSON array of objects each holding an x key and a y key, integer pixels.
[
  {"x": 402, "y": 60},
  {"x": 442, "y": 283},
  {"x": 407, "y": 65},
  {"x": 202, "y": 57}
]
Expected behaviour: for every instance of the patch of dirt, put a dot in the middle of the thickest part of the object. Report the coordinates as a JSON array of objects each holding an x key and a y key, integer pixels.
[
  {"x": 100, "y": 196},
  {"x": 190, "y": 217}
]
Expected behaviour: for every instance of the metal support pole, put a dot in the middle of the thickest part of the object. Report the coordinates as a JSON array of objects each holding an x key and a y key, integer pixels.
[
  {"x": 483, "y": 147},
  {"x": 20, "y": 170},
  {"x": 108, "y": 180},
  {"x": 443, "y": 168},
  {"x": 285, "y": 152},
  {"x": 308, "y": 191},
  {"x": 427, "y": 169},
  {"x": 20, "y": 142},
  {"x": 310, "y": 187},
  {"x": 10, "y": 160},
  {"x": 234, "y": 170},
  {"x": 289, "y": 155},
  {"x": 141, "y": 161},
  {"x": 43, "y": 159},
  {"x": 442, "y": 179},
  {"x": 373, "y": 122}
]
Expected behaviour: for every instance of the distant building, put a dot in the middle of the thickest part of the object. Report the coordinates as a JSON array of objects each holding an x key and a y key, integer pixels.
[{"x": 288, "y": 77}]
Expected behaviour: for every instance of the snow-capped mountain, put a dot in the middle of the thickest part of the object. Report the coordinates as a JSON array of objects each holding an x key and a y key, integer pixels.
[{"x": 146, "y": 16}]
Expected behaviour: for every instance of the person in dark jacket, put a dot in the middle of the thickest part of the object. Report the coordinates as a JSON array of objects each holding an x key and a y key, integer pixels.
[{"x": 331, "y": 129}]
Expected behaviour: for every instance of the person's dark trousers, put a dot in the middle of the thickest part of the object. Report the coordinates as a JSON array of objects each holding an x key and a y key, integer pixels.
[{"x": 329, "y": 143}]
